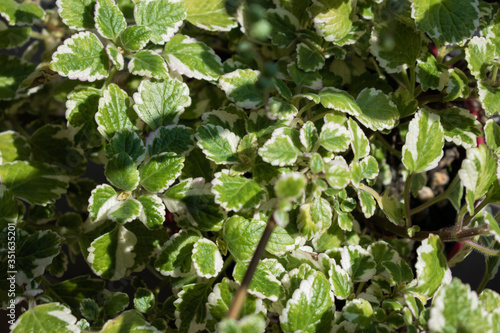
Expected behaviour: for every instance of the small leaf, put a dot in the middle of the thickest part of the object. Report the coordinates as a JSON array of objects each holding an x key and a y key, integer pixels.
[
  {"x": 308, "y": 135},
  {"x": 304, "y": 79},
  {"x": 163, "y": 17},
  {"x": 334, "y": 137},
  {"x": 13, "y": 72},
  {"x": 135, "y": 38},
  {"x": 121, "y": 171},
  {"x": 359, "y": 142},
  {"x": 489, "y": 97},
  {"x": 337, "y": 173},
  {"x": 172, "y": 138},
  {"x": 153, "y": 211},
  {"x": 50, "y": 316},
  {"x": 161, "y": 103},
  {"x": 77, "y": 14},
  {"x": 430, "y": 74},
  {"x": 103, "y": 198},
  {"x": 175, "y": 258},
  {"x": 218, "y": 144},
  {"x": 13, "y": 146},
  {"x": 207, "y": 259},
  {"x": 21, "y": 13},
  {"x": 191, "y": 312},
  {"x": 160, "y": 171},
  {"x": 241, "y": 236},
  {"x": 377, "y": 110},
  {"x": 424, "y": 142},
  {"x": 240, "y": 87},
  {"x": 212, "y": 16},
  {"x": 367, "y": 203},
  {"x": 479, "y": 53},
  {"x": 81, "y": 57},
  {"x": 115, "y": 56},
  {"x": 308, "y": 59},
  {"x": 144, "y": 300},
  {"x": 358, "y": 263},
  {"x": 132, "y": 320},
  {"x": 13, "y": 37},
  {"x": 265, "y": 284},
  {"x": 358, "y": 311},
  {"x": 460, "y": 127},
  {"x": 290, "y": 186},
  {"x": 282, "y": 149},
  {"x": 109, "y": 20},
  {"x": 192, "y": 58},
  {"x": 128, "y": 142},
  {"x": 114, "y": 112},
  {"x": 332, "y": 19},
  {"x": 236, "y": 192},
  {"x": 284, "y": 27},
  {"x": 491, "y": 134},
  {"x": 149, "y": 64}
]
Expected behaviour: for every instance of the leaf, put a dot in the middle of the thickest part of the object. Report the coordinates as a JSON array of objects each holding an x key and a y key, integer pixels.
[
  {"x": 121, "y": 171},
  {"x": 332, "y": 19},
  {"x": 207, "y": 259},
  {"x": 236, "y": 192},
  {"x": 489, "y": 98},
  {"x": 13, "y": 146},
  {"x": 304, "y": 311},
  {"x": 192, "y": 58},
  {"x": 153, "y": 211},
  {"x": 491, "y": 135},
  {"x": 13, "y": 72},
  {"x": 175, "y": 258},
  {"x": 160, "y": 171},
  {"x": 13, "y": 37},
  {"x": 149, "y": 64},
  {"x": 10, "y": 211},
  {"x": 341, "y": 282},
  {"x": 218, "y": 144},
  {"x": 377, "y": 110},
  {"x": 456, "y": 308},
  {"x": 358, "y": 311},
  {"x": 36, "y": 183},
  {"x": 77, "y": 14},
  {"x": 109, "y": 20},
  {"x": 358, "y": 263},
  {"x": 110, "y": 255},
  {"x": 144, "y": 300},
  {"x": 163, "y": 17},
  {"x": 367, "y": 203},
  {"x": 308, "y": 135},
  {"x": 479, "y": 53},
  {"x": 424, "y": 142},
  {"x": 21, "y": 13},
  {"x": 46, "y": 317},
  {"x": 290, "y": 186},
  {"x": 359, "y": 142},
  {"x": 432, "y": 268},
  {"x": 248, "y": 324},
  {"x": 396, "y": 45},
  {"x": 149, "y": 243},
  {"x": 308, "y": 59},
  {"x": 81, "y": 57},
  {"x": 103, "y": 198},
  {"x": 192, "y": 201},
  {"x": 128, "y": 321},
  {"x": 72, "y": 291},
  {"x": 284, "y": 27},
  {"x": 161, "y": 103},
  {"x": 128, "y": 142},
  {"x": 190, "y": 312},
  {"x": 334, "y": 137},
  {"x": 311, "y": 80},
  {"x": 114, "y": 112},
  {"x": 135, "y": 37},
  {"x": 116, "y": 56},
  {"x": 172, "y": 138},
  {"x": 430, "y": 74},
  {"x": 265, "y": 284},
  {"x": 448, "y": 23},
  {"x": 212, "y": 16},
  {"x": 241, "y": 236},
  {"x": 282, "y": 148},
  {"x": 240, "y": 87},
  {"x": 337, "y": 173},
  {"x": 460, "y": 127},
  {"x": 457, "y": 85},
  {"x": 81, "y": 106}
]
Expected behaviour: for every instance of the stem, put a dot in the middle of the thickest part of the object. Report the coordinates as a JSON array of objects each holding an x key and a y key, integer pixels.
[
  {"x": 479, "y": 207},
  {"x": 412, "y": 80},
  {"x": 377, "y": 68},
  {"x": 454, "y": 59},
  {"x": 494, "y": 75},
  {"x": 241, "y": 293},
  {"x": 436, "y": 198},
  {"x": 407, "y": 199},
  {"x": 484, "y": 281},
  {"x": 110, "y": 77},
  {"x": 320, "y": 115},
  {"x": 407, "y": 81},
  {"x": 481, "y": 248},
  {"x": 371, "y": 191},
  {"x": 305, "y": 108},
  {"x": 386, "y": 145},
  {"x": 441, "y": 53}
]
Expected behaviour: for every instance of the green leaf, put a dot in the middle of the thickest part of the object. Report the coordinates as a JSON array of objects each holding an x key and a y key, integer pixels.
[
  {"x": 489, "y": 97},
  {"x": 457, "y": 85},
  {"x": 377, "y": 110},
  {"x": 332, "y": 19},
  {"x": 282, "y": 148},
  {"x": 149, "y": 244},
  {"x": 406, "y": 103},
  {"x": 358, "y": 263},
  {"x": 309, "y": 303},
  {"x": 81, "y": 57},
  {"x": 21, "y": 13},
  {"x": 424, "y": 142},
  {"x": 491, "y": 135},
  {"x": 430, "y": 74},
  {"x": 81, "y": 106},
  {"x": 114, "y": 112},
  {"x": 308, "y": 59},
  {"x": 460, "y": 127},
  {"x": 128, "y": 142},
  {"x": 340, "y": 281},
  {"x": 241, "y": 236},
  {"x": 172, "y": 138},
  {"x": 265, "y": 282},
  {"x": 121, "y": 171},
  {"x": 311, "y": 80},
  {"x": 13, "y": 37},
  {"x": 193, "y": 202},
  {"x": 109, "y": 20},
  {"x": 153, "y": 211},
  {"x": 89, "y": 309},
  {"x": 248, "y": 324},
  {"x": 10, "y": 211},
  {"x": 236, "y": 192},
  {"x": 160, "y": 103},
  {"x": 135, "y": 38},
  {"x": 337, "y": 173},
  {"x": 110, "y": 255},
  {"x": 103, "y": 197},
  {"x": 192, "y": 58},
  {"x": 207, "y": 259},
  {"x": 125, "y": 211},
  {"x": 128, "y": 321},
  {"x": 448, "y": 22},
  {"x": 284, "y": 27},
  {"x": 334, "y": 137},
  {"x": 367, "y": 203},
  {"x": 396, "y": 45},
  {"x": 359, "y": 142},
  {"x": 477, "y": 173},
  {"x": 73, "y": 291},
  {"x": 212, "y": 16},
  {"x": 46, "y": 317},
  {"x": 13, "y": 72},
  {"x": 479, "y": 53},
  {"x": 218, "y": 144},
  {"x": 77, "y": 14},
  {"x": 175, "y": 258},
  {"x": 308, "y": 135},
  {"x": 432, "y": 268},
  {"x": 358, "y": 311},
  {"x": 455, "y": 308},
  {"x": 191, "y": 312},
  {"x": 163, "y": 17},
  {"x": 13, "y": 146},
  {"x": 116, "y": 56},
  {"x": 144, "y": 300},
  {"x": 149, "y": 64},
  {"x": 36, "y": 183},
  {"x": 115, "y": 302},
  {"x": 160, "y": 171},
  {"x": 240, "y": 87},
  {"x": 290, "y": 186}
]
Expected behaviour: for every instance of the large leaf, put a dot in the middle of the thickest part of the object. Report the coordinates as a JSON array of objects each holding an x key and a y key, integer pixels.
[
  {"x": 114, "y": 112},
  {"x": 236, "y": 192},
  {"x": 282, "y": 148},
  {"x": 160, "y": 171},
  {"x": 25, "y": 13},
  {"x": 109, "y": 19},
  {"x": 175, "y": 258},
  {"x": 12, "y": 74},
  {"x": 163, "y": 17},
  {"x": 240, "y": 87},
  {"x": 446, "y": 20},
  {"x": 149, "y": 64},
  {"x": 172, "y": 138},
  {"x": 460, "y": 127},
  {"x": 77, "y": 14},
  {"x": 207, "y": 259},
  {"x": 81, "y": 57},
  {"x": 211, "y": 16},
  {"x": 218, "y": 144},
  {"x": 332, "y": 19},
  {"x": 424, "y": 142},
  {"x": 192, "y": 58},
  {"x": 50, "y": 317},
  {"x": 191, "y": 312},
  {"x": 160, "y": 103}
]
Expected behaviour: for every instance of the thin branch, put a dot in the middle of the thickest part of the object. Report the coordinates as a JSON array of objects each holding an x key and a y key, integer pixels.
[
  {"x": 481, "y": 248},
  {"x": 436, "y": 199},
  {"x": 407, "y": 199}
]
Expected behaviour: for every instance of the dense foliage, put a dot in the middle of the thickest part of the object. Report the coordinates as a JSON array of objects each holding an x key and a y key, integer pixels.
[{"x": 319, "y": 154}]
